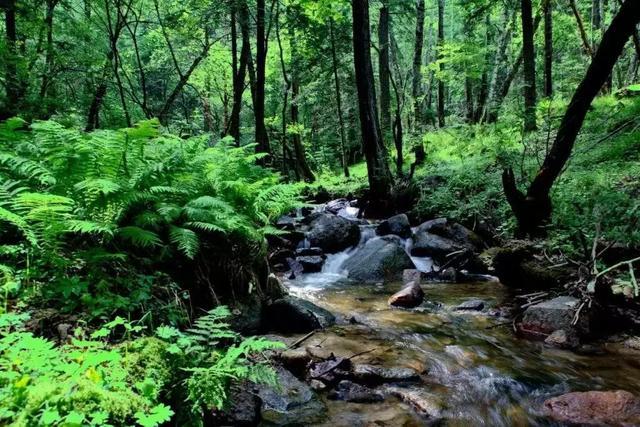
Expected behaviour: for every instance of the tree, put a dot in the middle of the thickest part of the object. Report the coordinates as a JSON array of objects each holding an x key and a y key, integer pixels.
[
  {"x": 12, "y": 81},
  {"x": 441, "y": 88},
  {"x": 533, "y": 209},
  {"x": 417, "y": 63},
  {"x": 336, "y": 80},
  {"x": 547, "y": 10},
  {"x": 383, "y": 68},
  {"x": 372, "y": 144},
  {"x": 262, "y": 139},
  {"x": 529, "y": 60},
  {"x": 239, "y": 66}
]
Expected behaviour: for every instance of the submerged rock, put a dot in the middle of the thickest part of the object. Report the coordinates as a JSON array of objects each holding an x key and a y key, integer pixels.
[
  {"x": 424, "y": 403},
  {"x": 350, "y": 392},
  {"x": 397, "y": 225},
  {"x": 410, "y": 296},
  {"x": 374, "y": 375},
  {"x": 291, "y": 402},
  {"x": 562, "y": 339},
  {"x": 471, "y": 305},
  {"x": 542, "y": 319},
  {"x": 332, "y": 233},
  {"x": 595, "y": 408},
  {"x": 295, "y": 315},
  {"x": 381, "y": 258}
]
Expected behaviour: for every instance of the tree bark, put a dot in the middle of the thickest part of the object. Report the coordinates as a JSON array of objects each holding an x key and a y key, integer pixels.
[
  {"x": 533, "y": 210},
  {"x": 334, "y": 62},
  {"x": 416, "y": 91},
  {"x": 529, "y": 61},
  {"x": 547, "y": 8},
  {"x": 262, "y": 139},
  {"x": 383, "y": 68},
  {"x": 583, "y": 34},
  {"x": 47, "y": 74},
  {"x": 239, "y": 13},
  {"x": 441, "y": 88},
  {"x": 372, "y": 144},
  {"x": 12, "y": 80}
]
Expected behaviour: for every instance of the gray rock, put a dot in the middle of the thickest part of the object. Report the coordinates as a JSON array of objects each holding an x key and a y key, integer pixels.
[
  {"x": 292, "y": 402},
  {"x": 309, "y": 252},
  {"x": 294, "y": 315},
  {"x": 397, "y": 225},
  {"x": 449, "y": 274},
  {"x": 243, "y": 409},
  {"x": 350, "y": 392},
  {"x": 410, "y": 296},
  {"x": 381, "y": 258},
  {"x": 424, "y": 403},
  {"x": 374, "y": 375},
  {"x": 471, "y": 305},
  {"x": 332, "y": 233},
  {"x": 542, "y": 319},
  {"x": 335, "y": 206},
  {"x": 329, "y": 371},
  {"x": 411, "y": 275},
  {"x": 458, "y": 233},
  {"x": 275, "y": 288},
  {"x": 311, "y": 264},
  {"x": 286, "y": 222},
  {"x": 561, "y": 339},
  {"x": 296, "y": 361},
  {"x": 632, "y": 343},
  {"x": 431, "y": 245}
]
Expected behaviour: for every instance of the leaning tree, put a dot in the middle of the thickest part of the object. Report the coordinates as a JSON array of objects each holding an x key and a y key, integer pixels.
[{"x": 533, "y": 209}]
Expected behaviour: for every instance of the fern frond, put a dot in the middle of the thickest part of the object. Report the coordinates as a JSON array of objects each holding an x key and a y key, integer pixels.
[
  {"x": 186, "y": 240},
  {"x": 139, "y": 237}
]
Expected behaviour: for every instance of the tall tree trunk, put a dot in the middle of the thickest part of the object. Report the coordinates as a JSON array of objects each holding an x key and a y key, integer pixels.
[
  {"x": 529, "y": 58},
  {"x": 334, "y": 62},
  {"x": 262, "y": 139},
  {"x": 441, "y": 88},
  {"x": 416, "y": 91},
  {"x": 500, "y": 58},
  {"x": 93, "y": 115},
  {"x": 47, "y": 74},
  {"x": 383, "y": 68},
  {"x": 533, "y": 210},
  {"x": 583, "y": 33},
  {"x": 547, "y": 8},
  {"x": 483, "y": 94},
  {"x": 372, "y": 144},
  {"x": 239, "y": 69},
  {"x": 12, "y": 80}
]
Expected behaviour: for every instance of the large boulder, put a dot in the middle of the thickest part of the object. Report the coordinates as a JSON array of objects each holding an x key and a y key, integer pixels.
[
  {"x": 332, "y": 233},
  {"x": 595, "y": 408},
  {"x": 311, "y": 263},
  {"x": 291, "y": 402},
  {"x": 242, "y": 410},
  {"x": 381, "y": 258},
  {"x": 453, "y": 231},
  {"x": 410, "y": 296},
  {"x": 431, "y": 245},
  {"x": 542, "y": 319},
  {"x": 397, "y": 225},
  {"x": 295, "y": 315}
]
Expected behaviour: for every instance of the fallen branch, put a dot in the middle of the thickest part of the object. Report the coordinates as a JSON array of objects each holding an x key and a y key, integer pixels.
[{"x": 301, "y": 340}]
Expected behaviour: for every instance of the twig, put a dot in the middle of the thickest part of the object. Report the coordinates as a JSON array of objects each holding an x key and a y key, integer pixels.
[{"x": 301, "y": 340}]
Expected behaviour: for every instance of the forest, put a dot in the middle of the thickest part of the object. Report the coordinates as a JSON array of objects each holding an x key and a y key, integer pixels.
[{"x": 319, "y": 212}]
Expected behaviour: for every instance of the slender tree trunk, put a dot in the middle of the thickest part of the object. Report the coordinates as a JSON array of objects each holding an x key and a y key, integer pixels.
[
  {"x": 441, "y": 88},
  {"x": 93, "y": 115},
  {"x": 533, "y": 210},
  {"x": 12, "y": 80},
  {"x": 500, "y": 58},
  {"x": 547, "y": 7},
  {"x": 383, "y": 68},
  {"x": 484, "y": 81},
  {"x": 372, "y": 144},
  {"x": 583, "y": 33},
  {"x": 239, "y": 70},
  {"x": 262, "y": 139},
  {"x": 49, "y": 57},
  {"x": 343, "y": 139},
  {"x": 416, "y": 91},
  {"x": 529, "y": 58}
]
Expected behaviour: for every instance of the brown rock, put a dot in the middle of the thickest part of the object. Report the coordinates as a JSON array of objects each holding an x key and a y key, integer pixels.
[
  {"x": 562, "y": 339},
  {"x": 408, "y": 297},
  {"x": 595, "y": 408}
]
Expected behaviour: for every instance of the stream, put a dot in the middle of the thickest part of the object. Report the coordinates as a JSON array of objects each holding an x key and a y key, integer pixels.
[{"x": 476, "y": 370}]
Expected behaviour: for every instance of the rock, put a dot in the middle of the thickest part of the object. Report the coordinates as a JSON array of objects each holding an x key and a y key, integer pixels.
[
  {"x": 633, "y": 343},
  {"x": 311, "y": 264},
  {"x": 471, "y": 305},
  {"x": 411, "y": 275},
  {"x": 560, "y": 339},
  {"x": 410, "y": 296},
  {"x": 286, "y": 222},
  {"x": 291, "y": 402},
  {"x": 329, "y": 371},
  {"x": 295, "y": 267},
  {"x": 430, "y": 245},
  {"x": 397, "y": 225},
  {"x": 381, "y": 258},
  {"x": 243, "y": 409},
  {"x": 294, "y": 315},
  {"x": 449, "y": 275},
  {"x": 275, "y": 289},
  {"x": 309, "y": 252},
  {"x": 375, "y": 375},
  {"x": 350, "y": 392},
  {"x": 425, "y": 404},
  {"x": 335, "y": 206},
  {"x": 317, "y": 385},
  {"x": 296, "y": 361},
  {"x": 332, "y": 233},
  {"x": 516, "y": 264},
  {"x": 542, "y": 319},
  {"x": 595, "y": 408},
  {"x": 453, "y": 231},
  {"x": 247, "y": 315}
]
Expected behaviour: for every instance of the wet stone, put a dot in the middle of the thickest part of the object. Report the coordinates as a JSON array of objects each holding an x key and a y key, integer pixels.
[
  {"x": 371, "y": 374},
  {"x": 595, "y": 408},
  {"x": 351, "y": 392},
  {"x": 471, "y": 305}
]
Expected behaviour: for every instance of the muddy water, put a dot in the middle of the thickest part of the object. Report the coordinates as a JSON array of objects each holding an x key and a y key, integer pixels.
[{"x": 476, "y": 371}]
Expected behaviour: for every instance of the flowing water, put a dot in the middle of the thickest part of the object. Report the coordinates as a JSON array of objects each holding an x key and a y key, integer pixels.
[{"x": 476, "y": 370}]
